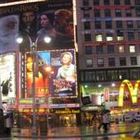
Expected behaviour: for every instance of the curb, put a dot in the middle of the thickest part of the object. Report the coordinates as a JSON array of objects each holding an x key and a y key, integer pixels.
[{"x": 73, "y": 136}]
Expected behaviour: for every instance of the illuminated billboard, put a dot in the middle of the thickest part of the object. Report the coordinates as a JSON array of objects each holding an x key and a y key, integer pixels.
[
  {"x": 133, "y": 91},
  {"x": 36, "y": 20},
  {"x": 7, "y": 77},
  {"x": 55, "y": 73}
]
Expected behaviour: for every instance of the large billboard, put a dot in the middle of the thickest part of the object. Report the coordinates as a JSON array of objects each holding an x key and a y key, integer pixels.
[
  {"x": 55, "y": 73},
  {"x": 53, "y": 18},
  {"x": 7, "y": 77}
]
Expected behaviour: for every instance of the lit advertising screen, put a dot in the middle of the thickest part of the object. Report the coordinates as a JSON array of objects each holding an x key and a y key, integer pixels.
[
  {"x": 7, "y": 77},
  {"x": 53, "y": 18},
  {"x": 55, "y": 73}
]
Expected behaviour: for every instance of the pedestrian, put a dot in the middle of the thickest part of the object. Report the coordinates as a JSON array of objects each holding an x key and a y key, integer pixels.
[
  {"x": 106, "y": 121},
  {"x": 100, "y": 120}
]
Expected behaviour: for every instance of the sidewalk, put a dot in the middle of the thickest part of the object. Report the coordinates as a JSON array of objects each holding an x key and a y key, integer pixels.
[{"x": 67, "y": 132}]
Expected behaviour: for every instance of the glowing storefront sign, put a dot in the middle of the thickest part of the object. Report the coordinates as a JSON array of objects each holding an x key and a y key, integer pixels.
[{"x": 133, "y": 90}]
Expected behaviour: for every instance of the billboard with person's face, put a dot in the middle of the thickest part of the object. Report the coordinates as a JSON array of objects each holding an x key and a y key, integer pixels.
[
  {"x": 34, "y": 21},
  {"x": 55, "y": 73}
]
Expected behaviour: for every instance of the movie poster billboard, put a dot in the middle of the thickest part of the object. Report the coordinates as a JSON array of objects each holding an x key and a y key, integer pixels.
[
  {"x": 34, "y": 21},
  {"x": 55, "y": 73},
  {"x": 7, "y": 77}
]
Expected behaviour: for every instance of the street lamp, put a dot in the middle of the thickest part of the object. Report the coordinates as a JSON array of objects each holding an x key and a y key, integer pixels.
[{"x": 33, "y": 47}]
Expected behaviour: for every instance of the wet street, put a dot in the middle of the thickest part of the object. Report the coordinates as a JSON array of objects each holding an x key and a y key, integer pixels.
[{"x": 116, "y": 132}]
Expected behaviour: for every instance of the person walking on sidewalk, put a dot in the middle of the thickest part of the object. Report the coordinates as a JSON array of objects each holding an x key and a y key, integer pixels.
[{"x": 106, "y": 121}]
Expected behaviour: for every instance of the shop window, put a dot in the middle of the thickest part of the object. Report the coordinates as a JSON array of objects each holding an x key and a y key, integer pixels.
[
  {"x": 100, "y": 75},
  {"x": 89, "y": 76},
  {"x": 124, "y": 74},
  {"x": 134, "y": 74},
  {"x": 112, "y": 74}
]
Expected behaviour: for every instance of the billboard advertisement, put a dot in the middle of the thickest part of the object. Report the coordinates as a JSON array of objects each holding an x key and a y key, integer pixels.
[
  {"x": 55, "y": 73},
  {"x": 7, "y": 77},
  {"x": 34, "y": 21}
]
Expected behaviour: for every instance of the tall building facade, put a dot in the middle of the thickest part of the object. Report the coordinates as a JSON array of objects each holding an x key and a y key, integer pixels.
[{"x": 108, "y": 33}]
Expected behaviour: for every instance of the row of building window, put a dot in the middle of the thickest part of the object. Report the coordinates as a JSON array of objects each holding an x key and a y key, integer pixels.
[
  {"x": 110, "y": 49},
  {"x": 108, "y": 2},
  {"x": 112, "y": 61},
  {"x": 110, "y": 36},
  {"x": 108, "y": 24},
  {"x": 109, "y": 75}
]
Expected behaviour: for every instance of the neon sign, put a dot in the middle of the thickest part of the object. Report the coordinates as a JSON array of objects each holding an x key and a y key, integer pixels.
[{"x": 133, "y": 90}]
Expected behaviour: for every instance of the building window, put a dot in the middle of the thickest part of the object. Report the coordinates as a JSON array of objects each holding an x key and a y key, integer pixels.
[
  {"x": 100, "y": 62},
  {"x": 107, "y": 13},
  {"x": 134, "y": 74},
  {"x": 90, "y": 76},
  {"x": 120, "y": 36},
  {"x": 85, "y": 3},
  {"x": 132, "y": 48},
  {"x": 100, "y": 75},
  {"x": 99, "y": 49},
  {"x": 108, "y": 24},
  {"x": 112, "y": 74},
  {"x": 110, "y": 49},
  {"x": 87, "y": 25},
  {"x": 109, "y": 37},
  {"x": 88, "y": 49},
  {"x": 88, "y": 37},
  {"x": 123, "y": 74},
  {"x": 106, "y": 2},
  {"x": 128, "y": 13},
  {"x": 116, "y": 2},
  {"x": 137, "y": 2},
  {"x": 96, "y": 2},
  {"x": 118, "y": 13},
  {"x": 131, "y": 36},
  {"x": 129, "y": 24},
  {"x": 99, "y": 37},
  {"x": 97, "y": 13},
  {"x": 121, "y": 49},
  {"x": 98, "y": 25},
  {"x": 122, "y": 61},
  {"x": 119, "y": 24},
  {"x": 86, "y": 14},
  {"x": 89, "y": 62},
  {"x": 111, "y": 61},
  {"x": 127, "y": 2},
  {"x": 133, "y": 60},
  {"x": 138, "y": 24}
]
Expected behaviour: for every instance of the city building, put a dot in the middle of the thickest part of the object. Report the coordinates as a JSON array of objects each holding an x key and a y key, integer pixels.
[{"x": 108, "y": 34}]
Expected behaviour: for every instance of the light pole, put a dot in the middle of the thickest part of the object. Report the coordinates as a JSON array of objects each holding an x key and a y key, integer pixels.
[{"x": 33, "y": 47}]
